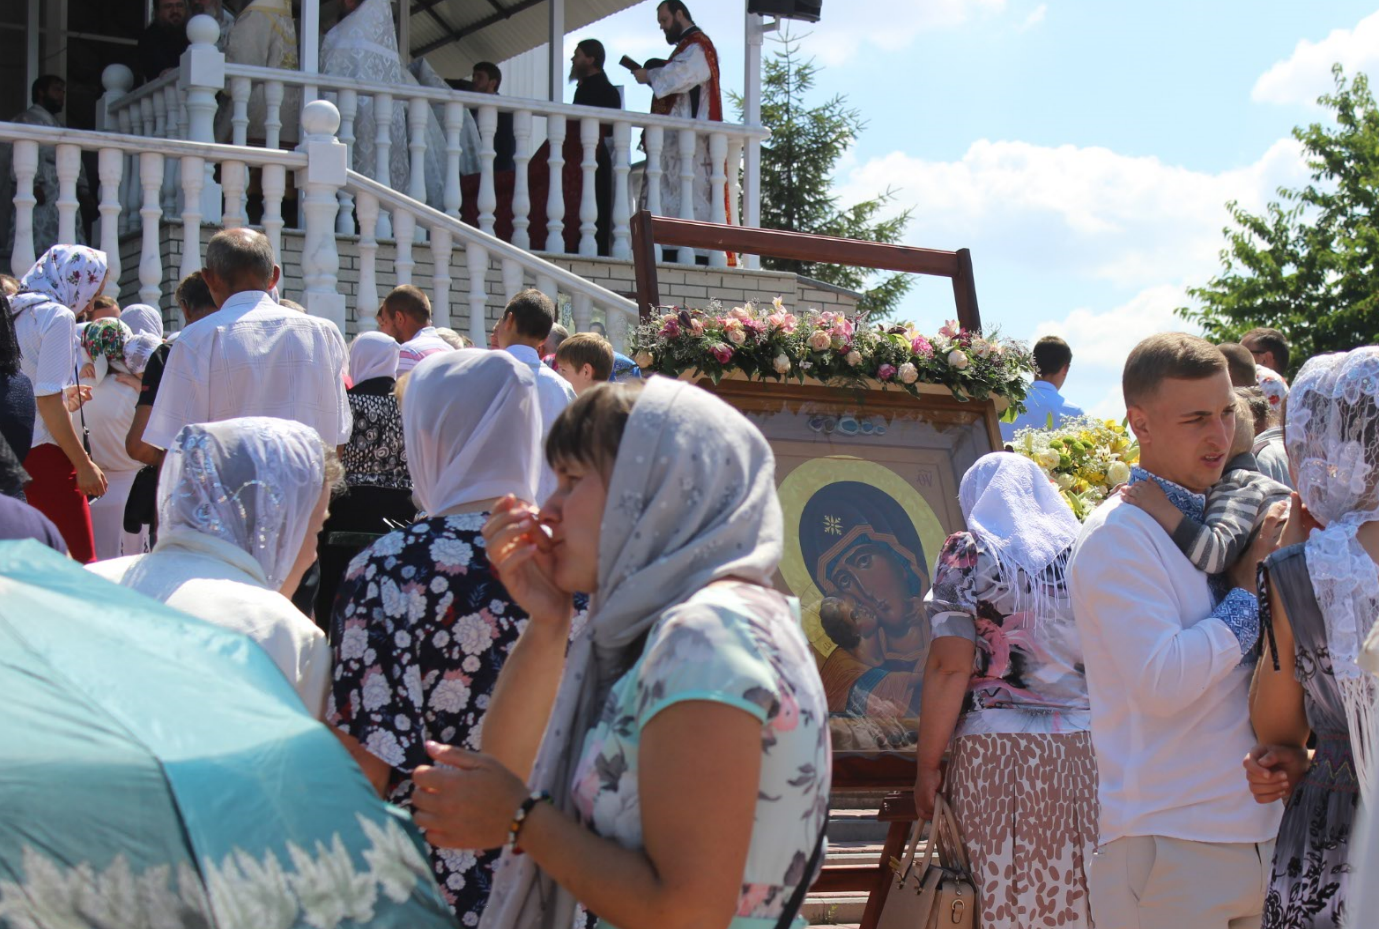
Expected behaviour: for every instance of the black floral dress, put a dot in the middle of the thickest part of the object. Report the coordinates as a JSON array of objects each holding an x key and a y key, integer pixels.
[
  {"x": 1311, "y": 870},
  {"x": 421, "y": 629}
]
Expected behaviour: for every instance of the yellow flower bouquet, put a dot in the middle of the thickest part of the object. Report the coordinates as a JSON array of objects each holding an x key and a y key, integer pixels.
[{"x": 1086, "y": 458}]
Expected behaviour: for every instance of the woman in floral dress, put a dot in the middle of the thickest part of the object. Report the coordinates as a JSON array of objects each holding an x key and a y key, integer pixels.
[
  {"x": 1005, "y": 677},
  {"x": 421, "y": 625},
  {"x": 686, "y": 748},
  {"x": 1320, "y": 594}
]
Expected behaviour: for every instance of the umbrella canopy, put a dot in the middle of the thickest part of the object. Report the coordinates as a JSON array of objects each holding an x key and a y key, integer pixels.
[{"x": 161, "y": 772}]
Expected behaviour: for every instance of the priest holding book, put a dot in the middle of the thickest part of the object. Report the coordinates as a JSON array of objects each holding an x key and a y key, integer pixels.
[{"x": 686, "y": 86}]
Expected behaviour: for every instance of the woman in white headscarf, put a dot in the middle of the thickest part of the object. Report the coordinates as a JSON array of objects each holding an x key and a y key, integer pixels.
[
  {"x": 240, "y": 502},
  {"x": 378, "y": 494},
  {"x": 60, "y": 285},
  {"x": 1005, "y": 677},
  {"x": 1321, "y": 590},
  {"x": 143, "y": 319},
  {"x": 421, "y": 626},
  {"x": 686, "y": 755}
]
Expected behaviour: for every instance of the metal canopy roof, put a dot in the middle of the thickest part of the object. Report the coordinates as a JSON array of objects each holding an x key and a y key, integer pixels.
[{"x": 454, "y": 34}]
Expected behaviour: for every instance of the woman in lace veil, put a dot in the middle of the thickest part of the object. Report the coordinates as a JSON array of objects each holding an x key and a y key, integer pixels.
[
  {"x": 1320, "y": 594},
  {"x": 363, "y": 46}
]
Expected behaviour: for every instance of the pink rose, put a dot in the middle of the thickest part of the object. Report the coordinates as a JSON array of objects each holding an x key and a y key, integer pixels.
[
  {"x": 737, "y": 336},
  {"x": 722, "y": 353},
  {"x": 922, "y": 347},
  {"x": 741, "y": 314},
  {"x": 854, "y": 358},
  {"x": 885, "y": 372},
  {"x": 697, "y": 326},
  {"x": 820, "y": 340}
]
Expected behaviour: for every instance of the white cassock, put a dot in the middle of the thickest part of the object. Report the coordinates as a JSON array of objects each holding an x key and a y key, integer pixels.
[
  {"x": 684, "y": 72},
  {"x": 264, "y": 35},
  {"x": 45, "y": 189}
]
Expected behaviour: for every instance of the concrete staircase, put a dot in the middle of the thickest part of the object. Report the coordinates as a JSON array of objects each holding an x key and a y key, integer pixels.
[{"x": 854, "y": 837}]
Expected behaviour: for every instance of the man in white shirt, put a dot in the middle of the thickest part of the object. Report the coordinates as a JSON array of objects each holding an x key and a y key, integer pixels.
[
  {"x": 1052, "y": 359},
  {"x": 252, "y": 357},
  {"x": 526, "y": 322},
  {"x": 1182, "y": 841},
  {"x": 406, "y": 316}
]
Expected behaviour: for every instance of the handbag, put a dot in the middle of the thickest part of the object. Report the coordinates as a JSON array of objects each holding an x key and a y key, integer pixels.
[
  {"x": 935, "y": 891},
  {"x": 140, "y": 509}
]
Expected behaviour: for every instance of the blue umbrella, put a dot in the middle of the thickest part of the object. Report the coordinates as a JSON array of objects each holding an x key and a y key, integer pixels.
[{"x": 159, "y": 771}]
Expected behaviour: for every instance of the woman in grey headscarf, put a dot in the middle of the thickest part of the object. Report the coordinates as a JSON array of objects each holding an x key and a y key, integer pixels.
[{"x": 686, "y": 748}]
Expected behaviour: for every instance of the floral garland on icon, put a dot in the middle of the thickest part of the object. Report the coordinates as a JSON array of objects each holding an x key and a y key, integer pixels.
[
  {"x": 1085, "y": 457},
  {"x": 771, "y": 342}
]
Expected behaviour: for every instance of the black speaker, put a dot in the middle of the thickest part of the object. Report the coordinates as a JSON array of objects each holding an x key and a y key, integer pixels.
[{"x": 808, "y": 10}]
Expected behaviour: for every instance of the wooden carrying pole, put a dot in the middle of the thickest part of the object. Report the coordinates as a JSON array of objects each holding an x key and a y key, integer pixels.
[{"x": 649, "y": 230}]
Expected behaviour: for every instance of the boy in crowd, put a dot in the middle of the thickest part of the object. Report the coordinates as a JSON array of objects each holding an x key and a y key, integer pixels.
[{"x": 584, "y": 360}]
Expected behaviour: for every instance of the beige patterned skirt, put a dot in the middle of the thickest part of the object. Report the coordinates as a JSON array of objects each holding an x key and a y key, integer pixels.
[{"x": 1027, "y": 805}]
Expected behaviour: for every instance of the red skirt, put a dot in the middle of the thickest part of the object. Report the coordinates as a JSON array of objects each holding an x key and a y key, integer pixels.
[{"x": 53, "y": 492}]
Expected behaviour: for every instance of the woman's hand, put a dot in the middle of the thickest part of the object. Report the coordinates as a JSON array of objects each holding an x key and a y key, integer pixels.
[
  {"x": 1299, "y": 525},
  {"x": 88, "y": 371},
  {"x": 468, "y": 801},
  {"x": 134, "y": 381},
  {"x": 928, "y": 782},
  {"x": 520, "y": 551},
  {"x": 1272, "y": 771},
  {"x": 74, "y": 397},
  {"x": 91, "y": 479}
]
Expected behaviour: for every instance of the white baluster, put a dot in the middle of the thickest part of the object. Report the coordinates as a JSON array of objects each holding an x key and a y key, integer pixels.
[
  {"x": 349, "y": 108},
  {"x": 203, "y": 74},
  {"x": 273, "y": 121},
  {"x": 555, "y": 198},
  {"x": 68, "y": 167},
  {"x": 25, "y": 162},
  {"x": 148, "y": 119},
  {"x": 588, "y": 198},
  {"x": 488, "y": 196},
  {"x": 274, "y": 185},
  {"x": 622, "y": 198},
  {"x": 172, "y": 129},
  {"x": 383, "y": 149},
  {"x": 582, "y": 308},
  {"x": 234, "y": 177},
  {"x": 326, "y": 172},
  {"x": 735, "y": 180},
  {"x": 441, "y": 249},
  {"x": 110, "y": 167},
  {"x": 685, "y": 256},
  {"x": 160, "y": 114},
  {"x": 418, "y": 114},
  {"x": 546, "y": 284},
  {"x": 454, "y": 122},
  {"x": 240, "y": 89},
  {"x": 404, "y": 225},
  {"x": 477, "y": 258},
  {"x": 718, "y": 185},
  {"x": 521, "y": 185},
  {"x": 193, "y": 177},
  {"x": 654, "y": 139},
  {"x": 512, "y": 279},
  {"x": 617, "y": 328},
  {"x": 366, "y": 297},
  {"x": 129, "y": 183},
  {"x": 150, "y": 261}
]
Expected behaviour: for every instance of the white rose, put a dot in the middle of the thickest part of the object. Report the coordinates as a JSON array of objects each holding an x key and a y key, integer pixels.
[
  {"x": 1065, "y": 482},
  {"x": 782, "y": 363},
  {"x": 737, "y": 336},
  {"x": 854, "y": 358},
  {"x": 1049, "y": 458},
  {"x": 908, "y": 373},
  {"x": 957, "y": 359},
  {"x": 1118, "y": 473},
  {"x": 643, "y": 359},
  {"x": 981, "y": 347},
  {"x": 820, "y": 340}
]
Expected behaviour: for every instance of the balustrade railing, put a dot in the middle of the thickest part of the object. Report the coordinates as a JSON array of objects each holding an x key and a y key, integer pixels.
[{"x": 464, "y": 125}]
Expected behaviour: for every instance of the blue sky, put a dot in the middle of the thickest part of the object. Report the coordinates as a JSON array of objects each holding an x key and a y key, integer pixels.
[{"x": 1083, "y": 150}]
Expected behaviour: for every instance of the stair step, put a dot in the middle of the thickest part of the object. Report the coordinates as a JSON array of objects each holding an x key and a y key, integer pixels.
[
  {"x": 834, "y": 909},
  {"x": 856, "y": 826}
]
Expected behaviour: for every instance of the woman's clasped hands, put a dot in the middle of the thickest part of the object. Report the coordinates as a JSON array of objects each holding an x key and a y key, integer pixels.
[{"x": 466, "y": 800}]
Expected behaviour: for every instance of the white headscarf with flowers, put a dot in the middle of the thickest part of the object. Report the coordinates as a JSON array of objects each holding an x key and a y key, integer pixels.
[
  {"x": 70, "y": 275},
  {"x": 1274, "y": 386}
]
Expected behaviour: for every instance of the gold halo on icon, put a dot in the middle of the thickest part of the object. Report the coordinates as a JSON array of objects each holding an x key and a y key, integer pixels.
[{"x": 800, "y": 486}]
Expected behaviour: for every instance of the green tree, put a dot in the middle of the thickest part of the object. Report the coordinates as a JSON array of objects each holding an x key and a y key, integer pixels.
[
  {"x": 797, "y": 166},
  {"x": 1309, "y": 266}
]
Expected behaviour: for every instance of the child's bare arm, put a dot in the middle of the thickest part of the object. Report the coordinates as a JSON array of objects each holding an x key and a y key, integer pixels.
[{"x": 1150, "y": 497}]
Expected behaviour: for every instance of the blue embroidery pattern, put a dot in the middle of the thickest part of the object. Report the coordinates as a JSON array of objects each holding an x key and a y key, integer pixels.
[{"x": 1191, "y": 505}]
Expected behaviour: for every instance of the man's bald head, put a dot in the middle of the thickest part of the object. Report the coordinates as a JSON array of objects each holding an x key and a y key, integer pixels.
[{"x": 238, "y": 260}]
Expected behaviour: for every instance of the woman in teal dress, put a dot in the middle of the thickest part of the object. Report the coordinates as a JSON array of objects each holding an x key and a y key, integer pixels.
[{"x": 686, "y": 751}]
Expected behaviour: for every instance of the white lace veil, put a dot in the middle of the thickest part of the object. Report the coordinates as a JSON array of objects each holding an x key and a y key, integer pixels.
[
  {"x": 1332, "y": 438},
  {"x": 250, "y": 482}
]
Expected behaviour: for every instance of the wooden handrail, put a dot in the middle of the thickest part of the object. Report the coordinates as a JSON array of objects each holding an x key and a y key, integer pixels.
[{"x": 649, "y": 230}]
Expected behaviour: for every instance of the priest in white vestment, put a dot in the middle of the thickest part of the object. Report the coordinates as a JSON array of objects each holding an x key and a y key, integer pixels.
[{"x": 264, "y": 35}]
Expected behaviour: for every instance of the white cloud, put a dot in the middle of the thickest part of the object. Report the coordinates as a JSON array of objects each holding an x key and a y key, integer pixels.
[
  {"x": 888, "y": 25},
  {"x": 1134, "y": 221},
  {"x": 1035, "y": 17},
  {"x": 1306, "y": 74}
]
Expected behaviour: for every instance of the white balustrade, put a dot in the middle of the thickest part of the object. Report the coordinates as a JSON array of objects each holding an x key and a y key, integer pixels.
[
  {"x": 718, "y": 191},
  {"x": 274, "y": 184},
  {"x": 129, "y": 186},
  {"x": 172, "y": 129},
  {"x": 521, "y": 186},
  {"x": 234, "y": 178},
  {"x": 348, "y": 104},
  {"x": 546, "y": 284},
  {"x": 735, "y": 181},
  {"x": 418, "y": 116},
  {"x": 68, "y": 169},
  {"x": 582, "y": 308},
  {"x": 488, "y": 196},
  {"x": 272, "y": 121},
  {"x": 512, "y": 279},
  {"x": 25, "y": 167},
  {"x": 366, "y": 297},
  {"x": 193, "y": 177},
  {"x": 110, "y": 169},
  {"x": 454, "y": 123},
  {"x": 405, "y": 225},
  {"x": 555, "y": 199},
  {"x": 203, "y": 74},
  {"x": 687, "y": 142},
  {"x": 654, "y": 139},
  {"x": 326, "y": 171},
  {"x": 150, "y": 261},
  {"x": 622, "y": 198},
  {"x": 442, "y": 247},
  {"x": 588, "y": 198},
  {"x": 476, "y": 257},
  {"x": 383, "y": 150},
  {"x": 240, "y": 89}
]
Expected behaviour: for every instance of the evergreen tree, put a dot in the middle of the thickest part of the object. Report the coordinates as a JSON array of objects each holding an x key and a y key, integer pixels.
[
  {"x": 797, "y": 165},
  {"x": 1310, "y": 265}
]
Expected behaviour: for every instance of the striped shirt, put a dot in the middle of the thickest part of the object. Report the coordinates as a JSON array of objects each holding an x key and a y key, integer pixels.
[{"x": 1236, "y": 506}]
